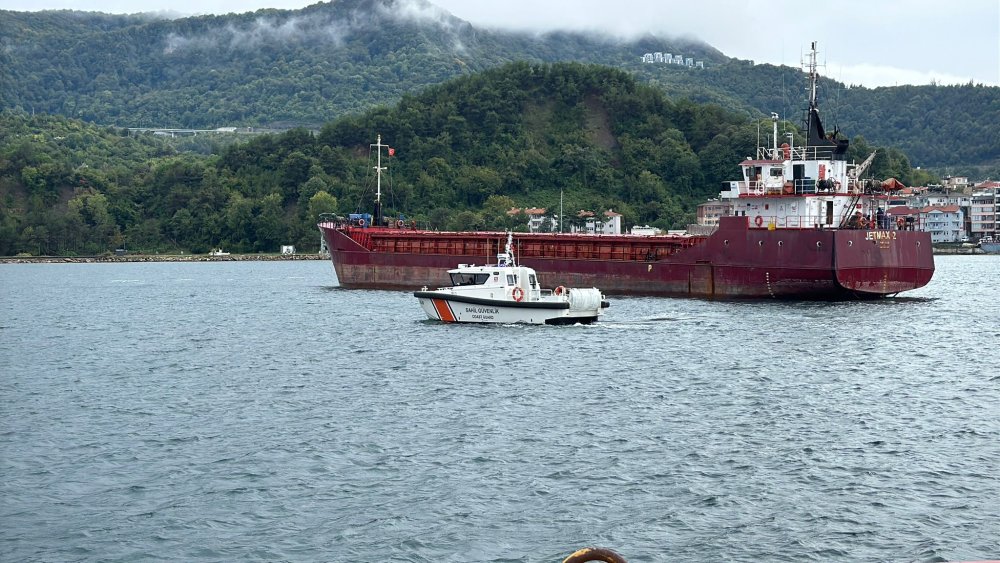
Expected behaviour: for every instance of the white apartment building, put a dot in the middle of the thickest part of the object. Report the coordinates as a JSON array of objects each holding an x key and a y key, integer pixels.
[
  {"x": 943, "y": 222},
  {"x": 708, "y": 213},
  {"x": 611, "y": 224}
]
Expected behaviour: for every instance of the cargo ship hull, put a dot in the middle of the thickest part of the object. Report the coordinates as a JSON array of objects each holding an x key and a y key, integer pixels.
[{"x": 736, "y": 261}]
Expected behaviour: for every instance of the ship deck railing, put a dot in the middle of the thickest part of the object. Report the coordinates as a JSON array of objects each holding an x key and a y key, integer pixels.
[
  {"x": 793, "y": 188},
  {"x": 794, "y": 153}
]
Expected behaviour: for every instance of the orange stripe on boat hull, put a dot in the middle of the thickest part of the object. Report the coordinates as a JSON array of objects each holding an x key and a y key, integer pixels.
[{"x": 443, "y": 310}]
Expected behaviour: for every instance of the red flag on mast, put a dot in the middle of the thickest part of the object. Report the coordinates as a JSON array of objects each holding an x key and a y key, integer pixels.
[{"x": 392, "y": 151}]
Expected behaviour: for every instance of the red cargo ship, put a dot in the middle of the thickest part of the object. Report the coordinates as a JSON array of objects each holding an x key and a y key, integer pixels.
[{"x": 804, "y": 225}]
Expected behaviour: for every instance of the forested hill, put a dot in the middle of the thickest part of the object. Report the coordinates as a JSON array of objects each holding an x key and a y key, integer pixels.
[
  {"x": 292, "y": 67},
  {"x": 305, "y": 67},
  {"x": 466, "y": 151}
]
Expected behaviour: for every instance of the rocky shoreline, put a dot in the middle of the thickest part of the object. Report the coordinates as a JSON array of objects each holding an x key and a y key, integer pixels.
[{"x": 156, "y": 258}]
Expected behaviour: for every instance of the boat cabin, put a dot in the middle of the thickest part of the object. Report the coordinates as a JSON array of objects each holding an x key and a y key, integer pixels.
[{"x": 498, "y": 276}]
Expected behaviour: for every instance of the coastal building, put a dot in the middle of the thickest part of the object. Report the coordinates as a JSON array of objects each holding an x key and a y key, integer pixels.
[
  {"x": 708, "y": 213},
  {"x": 610, "y": 224},
  {"x": 985, "y": 219},
  {"x": 943, "y": 222},
  {"x": 956, "y": 183},
  {"x": 538, "y": 222},
  {"x": 671, "y": 59}
]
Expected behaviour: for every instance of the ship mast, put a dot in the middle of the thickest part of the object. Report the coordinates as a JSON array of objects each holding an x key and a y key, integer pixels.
[
  {"x": 817, "y": 141},
  {"x": 813, "y": 125},
  {"x": 377, "y": 219},
  {"x": 813, "y": 76}
]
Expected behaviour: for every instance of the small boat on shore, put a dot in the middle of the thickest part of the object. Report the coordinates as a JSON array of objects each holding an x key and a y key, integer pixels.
[
  {"x": 989, "y": 244},
  {"x": 507, "y": 293}
]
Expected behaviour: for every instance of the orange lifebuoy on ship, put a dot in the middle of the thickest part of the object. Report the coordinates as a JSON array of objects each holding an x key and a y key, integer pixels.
[
  {"x": 758, "y": 221},
  {"x": 559, "y": 290},
  {"x": 361, "y": 222},
  {"x": 517, "y": 294},
  {"x": 399, "y": 224}
]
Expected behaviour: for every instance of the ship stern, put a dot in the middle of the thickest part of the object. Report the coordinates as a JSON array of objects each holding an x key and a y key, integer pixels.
[{"x": 876, "y": 263}]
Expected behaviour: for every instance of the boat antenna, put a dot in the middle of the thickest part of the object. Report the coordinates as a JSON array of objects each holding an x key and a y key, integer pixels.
[
  {"x": 377, "y": 219},
  {"x": 506, "y": 258},
  {"x": 774, "y": 135}
]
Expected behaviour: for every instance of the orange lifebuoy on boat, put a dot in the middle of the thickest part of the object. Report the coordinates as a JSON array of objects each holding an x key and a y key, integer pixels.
[
  {"x": 361, "y": 222},
  {"x": 559, "y": 290},
  {"x": 758, "y": 221},
  {"x": 399, "y": 224},
  {"x": 517, "y": 294}
]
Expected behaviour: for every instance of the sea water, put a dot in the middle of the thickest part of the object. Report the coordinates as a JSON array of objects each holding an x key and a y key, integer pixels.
[{"x": 232, "y": 411}]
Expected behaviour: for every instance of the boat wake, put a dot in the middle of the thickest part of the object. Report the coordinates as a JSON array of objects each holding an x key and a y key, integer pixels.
[{"x": 644, "y": 321}]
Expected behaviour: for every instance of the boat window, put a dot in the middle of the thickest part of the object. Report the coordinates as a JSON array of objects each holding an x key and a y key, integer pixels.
[
  {"x": 531, "y": 280},
  {"x": 469, "y": 279},
  {"x": 510, "y": 279},
  {"x": 775, "y": 172}
]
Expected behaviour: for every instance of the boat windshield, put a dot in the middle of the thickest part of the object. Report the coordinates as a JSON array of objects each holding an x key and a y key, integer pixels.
[{"x": 469, "y": 279}]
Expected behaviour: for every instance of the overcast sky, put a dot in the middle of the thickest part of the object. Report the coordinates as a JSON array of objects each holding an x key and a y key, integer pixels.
[{"x": 869, "y": 42}]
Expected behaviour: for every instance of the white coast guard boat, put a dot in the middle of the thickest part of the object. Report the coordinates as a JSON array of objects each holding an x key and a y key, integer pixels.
[{"x": 507, "y": 293}]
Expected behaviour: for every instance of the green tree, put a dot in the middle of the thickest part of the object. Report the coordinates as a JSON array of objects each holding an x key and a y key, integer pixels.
[{"x": 320, "y": 203}]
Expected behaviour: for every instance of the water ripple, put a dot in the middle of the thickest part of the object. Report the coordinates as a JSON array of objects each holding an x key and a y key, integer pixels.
[{"x": 235, "y": 411}]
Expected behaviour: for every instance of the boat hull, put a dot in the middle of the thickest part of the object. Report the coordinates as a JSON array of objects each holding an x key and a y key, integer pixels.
[
  {"x": 736, "y": 261},
  {"x": 449, "y": 308}
]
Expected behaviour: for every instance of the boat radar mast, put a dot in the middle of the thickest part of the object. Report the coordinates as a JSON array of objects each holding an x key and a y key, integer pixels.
[
  {"x": 377, "y": 217},
  {"x": 817, "y": 140}
]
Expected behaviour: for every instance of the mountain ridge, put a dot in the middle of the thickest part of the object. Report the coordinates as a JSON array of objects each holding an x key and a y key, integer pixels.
[{"x": 306, "y": 67}]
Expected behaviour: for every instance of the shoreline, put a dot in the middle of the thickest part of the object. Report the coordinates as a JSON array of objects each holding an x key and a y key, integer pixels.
[
  {"x": 157, "y": 258},
  {"x": 965, "y": 251}
]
